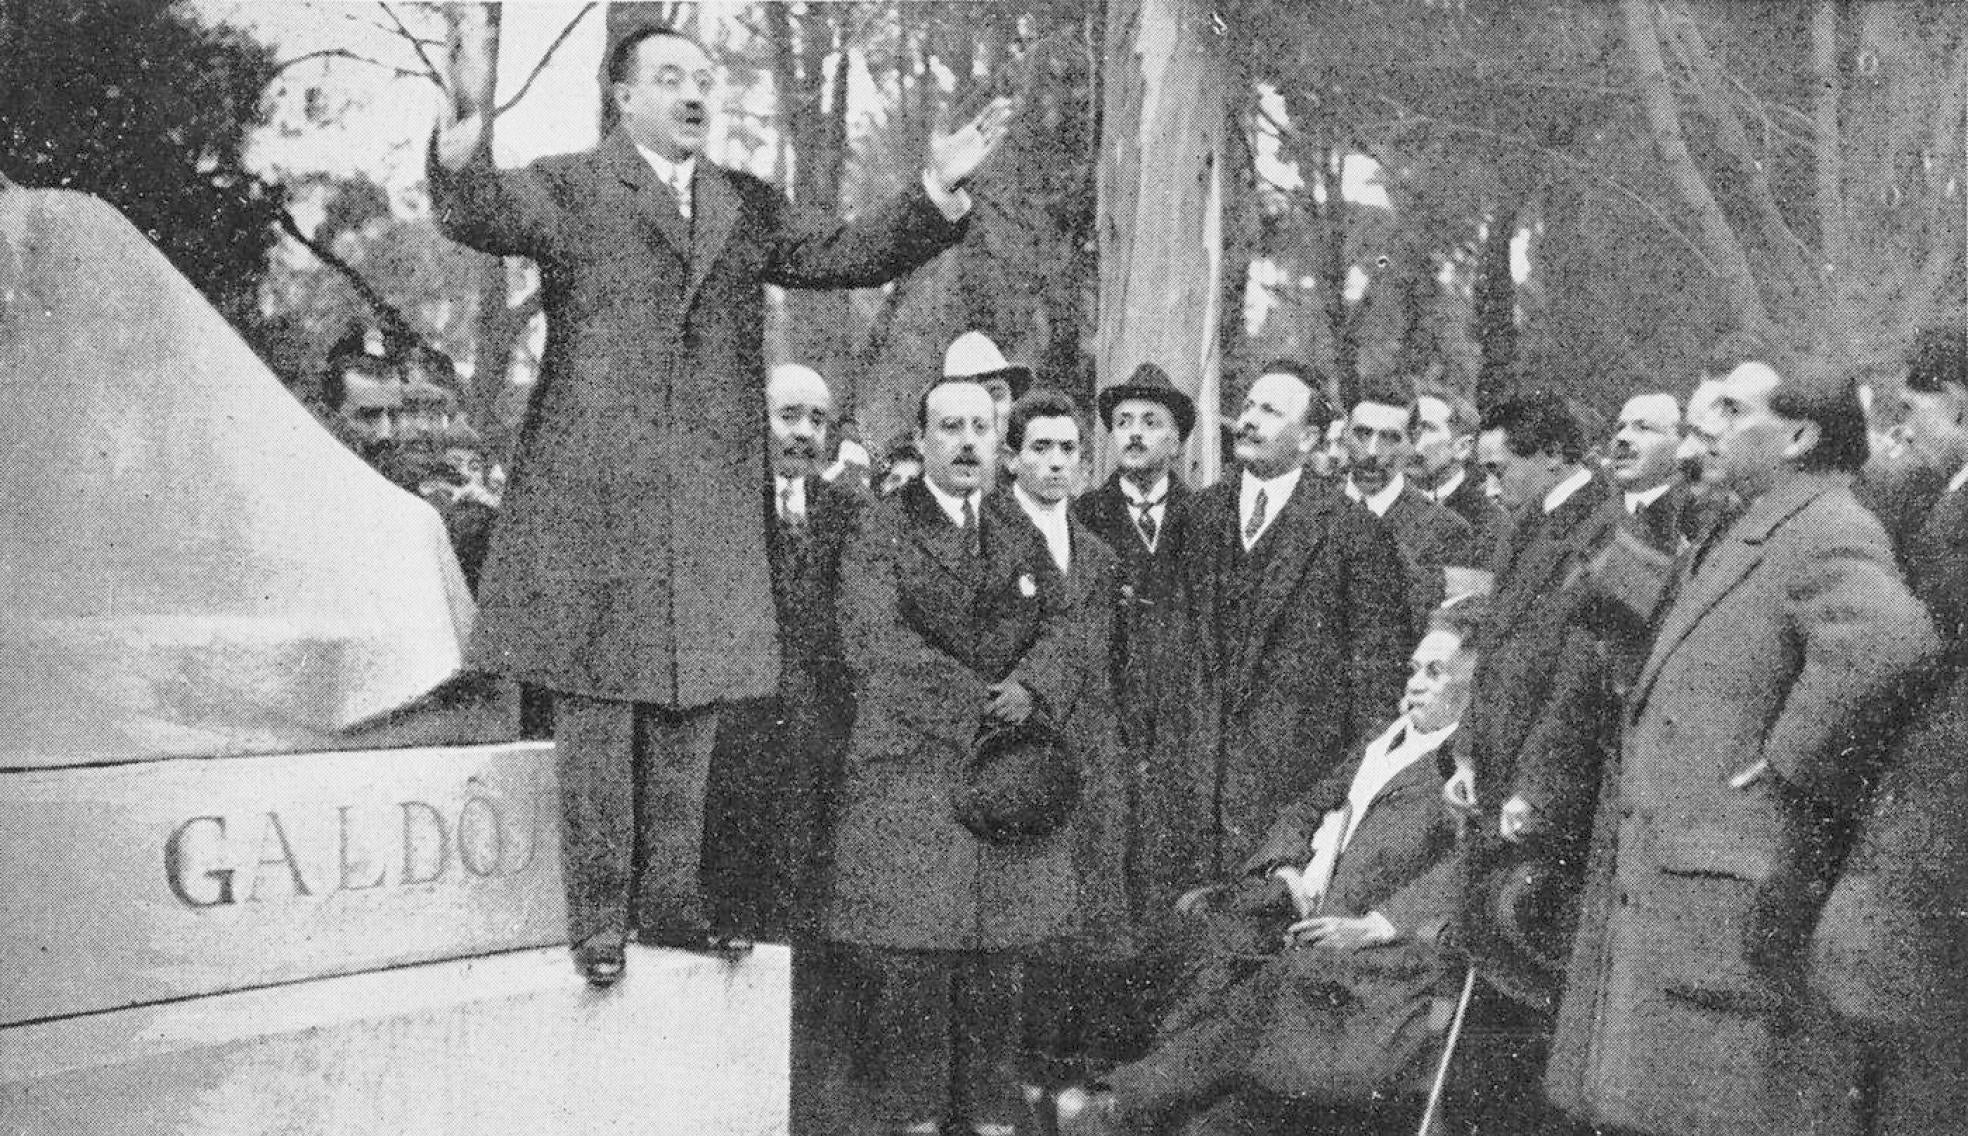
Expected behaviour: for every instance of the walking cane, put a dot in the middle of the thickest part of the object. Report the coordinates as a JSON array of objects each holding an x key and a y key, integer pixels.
[{"x": 1448, "y": 1052}]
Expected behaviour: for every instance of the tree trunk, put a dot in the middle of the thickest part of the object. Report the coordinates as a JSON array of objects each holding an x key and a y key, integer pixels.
[
  {"x": 813, "y": 114},
  {"x": 1657, "y": 94},
  {"x": 1160, "y": 206},
  {"x": 1494, "y": 301}
]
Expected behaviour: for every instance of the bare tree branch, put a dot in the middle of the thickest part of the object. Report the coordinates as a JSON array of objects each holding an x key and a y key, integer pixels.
[
  {"x": 345, "y": 53},
  {"x": 527, "y": 84},
  {"x": 1643, "y": 41},
  {"x": 416, "y": 44}
]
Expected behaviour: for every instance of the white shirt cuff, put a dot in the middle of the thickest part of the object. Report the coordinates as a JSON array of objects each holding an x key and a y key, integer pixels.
[
  {"x": 954, "y": 204},
  {"x": 1388, "y": 932}
]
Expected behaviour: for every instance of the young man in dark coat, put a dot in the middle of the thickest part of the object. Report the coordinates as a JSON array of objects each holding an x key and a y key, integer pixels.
[
  {"x": 1739, "y": 766},
  {"x": 1298, "y": 630},
  {"x": 1320, "y": 959},
  {"x": 960, "y": 605},
  {"x": 1431, "y": 537},
  {"x": 1891, "y": 950},
  {"x": 629, "y": 572}
]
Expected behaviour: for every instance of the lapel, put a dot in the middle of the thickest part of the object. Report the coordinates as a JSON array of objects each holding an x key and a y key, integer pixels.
[
  {"x": 714, "y": 211},
  {"x": 1736, "y": 553},
  {"x": 1293, "y": 539},
  {"x": 1541, "y": 553},
  {"x": 654, "y": 206},
  {"x": 930, "y": 527}
]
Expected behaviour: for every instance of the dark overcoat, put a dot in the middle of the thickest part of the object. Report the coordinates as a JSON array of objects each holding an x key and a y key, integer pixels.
[
  {"x": 1296, "y": 649},
  {"x": 1487, "y": 520},
  {"x": 1431, "y": 537},
  {"x": 1523, "y": 637},
  {"x": 1891, "y": 949},
  {"x": 630, "y": 562},
  {"x": 927, "y": 626},
  {"x": 1146, "y": 628},
  {"x": 776, "y": 763},
  {"x": 1680, "y": 1012}
]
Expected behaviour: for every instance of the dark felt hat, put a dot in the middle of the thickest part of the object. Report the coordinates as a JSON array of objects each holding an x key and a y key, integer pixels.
[
  {"x": 1020, "y": 784},
  {"x": 1152, "y": 383}
]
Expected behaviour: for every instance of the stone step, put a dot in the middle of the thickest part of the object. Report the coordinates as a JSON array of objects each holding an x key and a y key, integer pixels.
[{"x": 686, "y": 1044}]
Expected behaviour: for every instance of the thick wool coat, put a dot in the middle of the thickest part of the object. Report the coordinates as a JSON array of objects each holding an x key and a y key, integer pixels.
[
  {"x": 630, "y": 558},
  {"x": 1681, "y": 1010}
]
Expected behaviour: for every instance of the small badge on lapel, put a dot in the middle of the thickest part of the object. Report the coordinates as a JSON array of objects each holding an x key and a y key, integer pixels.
[{"x": 1027, "y": 586}]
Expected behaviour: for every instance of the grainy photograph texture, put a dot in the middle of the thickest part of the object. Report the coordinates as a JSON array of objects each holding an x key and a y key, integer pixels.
[{"x": 992, "y": 568}]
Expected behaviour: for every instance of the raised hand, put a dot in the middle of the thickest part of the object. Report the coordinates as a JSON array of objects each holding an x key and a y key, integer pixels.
[{"x": 954, "y": 157}]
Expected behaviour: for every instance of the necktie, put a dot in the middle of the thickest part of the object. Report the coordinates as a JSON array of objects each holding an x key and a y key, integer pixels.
[
  {"x": 1144, "y": 520},
  {"x": 790, "y": 513},
  {"x": 971, "y": 543},
  {"x": 679, "y": 184},
  {"x": 1256, "y": 523}
]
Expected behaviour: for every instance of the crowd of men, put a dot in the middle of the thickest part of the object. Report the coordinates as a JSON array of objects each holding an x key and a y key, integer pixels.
[
  {"x": 1671, "y": 708},
  {"x": 1147, "y": 807}
]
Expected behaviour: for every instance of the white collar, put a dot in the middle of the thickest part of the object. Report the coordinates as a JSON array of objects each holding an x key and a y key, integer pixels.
[
  {"x": 1276, "y": 490},
  {"x": 1446, "y": 490},
  {"x": 1562, "y": 492},
  {"x": 1384, "y": 761},
  {"x": 669, "y": 171},
  {"x": 1381, "y": 501},
  {"x": 1050, "y": 520},
  {"x": 1645, "y": 497},
  {"x": 953, "y": 503},
  {"x": 1959, "y": 479},
  {"x": 1159, "y": 495}
]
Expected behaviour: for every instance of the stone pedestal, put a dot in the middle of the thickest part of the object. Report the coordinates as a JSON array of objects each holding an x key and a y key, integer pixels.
[{"x": 362, "y": 942}]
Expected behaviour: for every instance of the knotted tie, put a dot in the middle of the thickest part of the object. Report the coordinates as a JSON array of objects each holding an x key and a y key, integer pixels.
[
  {"x": 790, "y": 513},
  {"x": 1144, "y": 521},
  {"x": 680, "y": 188},
  {"x": 971, "y": 543},
  {"x": 1256, "y": 523}
]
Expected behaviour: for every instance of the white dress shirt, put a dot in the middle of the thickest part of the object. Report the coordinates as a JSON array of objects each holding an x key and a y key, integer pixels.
[
  {"x": 953, "y": 503},
  {"x": 1441, "y": 493},
  {"x": 676, "y": 175},
  {"x": 1378, "y": 503},
  {"x": 1562, "y": 492},
  {"x": 1638, "y": 501},
  {"x": 1386, "y": 758},
  {"x": 1157, "y": 512},
  {"x": 1052, "y": 525},
  {"x": 1277, "y": 491}
]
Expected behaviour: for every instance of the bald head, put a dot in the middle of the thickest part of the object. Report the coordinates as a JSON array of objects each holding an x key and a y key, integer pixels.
[
  {"x": 1645, "y": 443},
  {"x": 799, "y": 408}
]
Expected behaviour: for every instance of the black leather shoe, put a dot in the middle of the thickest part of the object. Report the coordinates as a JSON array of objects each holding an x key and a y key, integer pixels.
[{"x": 601, "y": 959}]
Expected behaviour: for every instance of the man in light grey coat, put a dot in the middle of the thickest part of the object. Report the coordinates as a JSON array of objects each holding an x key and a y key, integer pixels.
[{"x": 1683, "y": 1011}]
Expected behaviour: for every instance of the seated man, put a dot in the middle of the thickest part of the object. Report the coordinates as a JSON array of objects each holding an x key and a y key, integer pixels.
[{"x": 1318, "y": 965}]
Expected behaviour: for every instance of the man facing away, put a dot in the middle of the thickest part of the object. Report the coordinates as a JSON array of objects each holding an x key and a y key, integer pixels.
[
  {"x": 1297, "y": 625},
  {"x": 629, "y": 574},
  {"x": 1740, "y": 770}
]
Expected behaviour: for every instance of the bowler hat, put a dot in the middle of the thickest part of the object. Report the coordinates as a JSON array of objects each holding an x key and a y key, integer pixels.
[
  {"x": 972, "y": 357},
  {"x": 1151, "y": 383},
  {"x": 1020, "y": 783}
]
